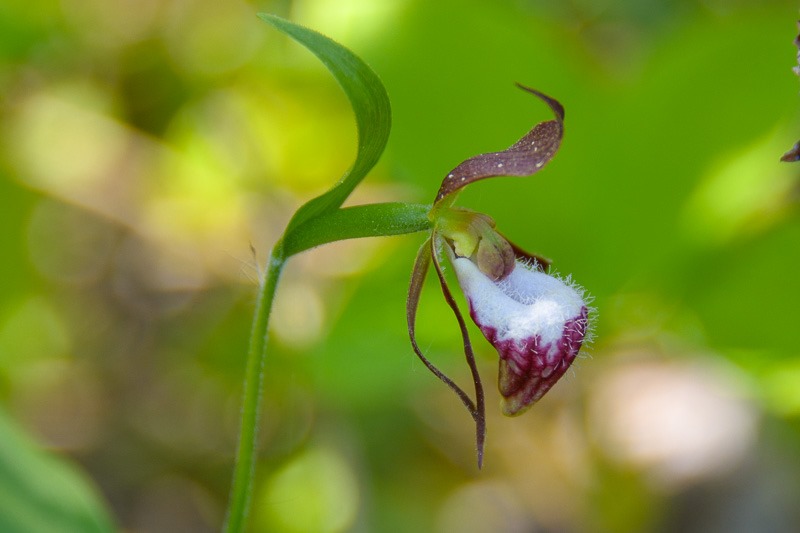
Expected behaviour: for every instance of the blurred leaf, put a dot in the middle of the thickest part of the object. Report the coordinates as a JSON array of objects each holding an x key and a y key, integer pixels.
[
  {"x": 39, "y": 492},
  {"x": 370, "y": 104}
]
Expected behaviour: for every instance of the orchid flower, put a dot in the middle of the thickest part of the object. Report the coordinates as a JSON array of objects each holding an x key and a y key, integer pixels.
[{"x": 536, "y": 321}]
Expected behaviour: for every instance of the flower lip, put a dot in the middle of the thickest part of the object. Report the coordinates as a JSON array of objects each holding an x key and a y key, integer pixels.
[{"x": 536, "y": 322}]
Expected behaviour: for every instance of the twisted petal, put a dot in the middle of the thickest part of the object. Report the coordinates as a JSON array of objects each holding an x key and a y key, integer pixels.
[
  {"x": 479, "y": 412},
  {"x": 477, "y": 408},
  {"x": 527, "y": 156},
  {"x": 421, "y": 266}
]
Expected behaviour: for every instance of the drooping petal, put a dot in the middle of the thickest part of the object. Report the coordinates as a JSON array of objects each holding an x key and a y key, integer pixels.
[
  {"x": 536, "y": 322},
  {"x": 421, "y": 266},
  {"x": 477, "y": 408},
  {"x": 479, "y": 412},
  {"x": 525, "y": 157}
]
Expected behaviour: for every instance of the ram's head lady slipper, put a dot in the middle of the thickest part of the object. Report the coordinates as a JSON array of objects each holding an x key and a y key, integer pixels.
[{"x": 537, "y": 322}]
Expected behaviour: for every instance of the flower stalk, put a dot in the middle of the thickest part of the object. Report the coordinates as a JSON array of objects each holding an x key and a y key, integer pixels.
[
  {"x": 242, "y": 484},
  {"x": 536, "y": 322}
]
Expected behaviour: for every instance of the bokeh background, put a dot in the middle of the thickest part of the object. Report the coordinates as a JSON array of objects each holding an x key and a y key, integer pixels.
[{"x": 145, "y": 145}]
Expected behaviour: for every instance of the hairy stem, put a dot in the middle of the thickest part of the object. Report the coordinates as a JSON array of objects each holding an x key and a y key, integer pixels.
[
  {"x": 371, "y": 220},
  {"x": 242, "y": 485}
]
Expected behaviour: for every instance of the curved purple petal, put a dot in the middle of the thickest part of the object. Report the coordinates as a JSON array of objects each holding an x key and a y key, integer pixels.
[
  {"x": 479, "y": 412},
  {"x": 421, "y": 266},
  {"x": 525, "y": 157}
]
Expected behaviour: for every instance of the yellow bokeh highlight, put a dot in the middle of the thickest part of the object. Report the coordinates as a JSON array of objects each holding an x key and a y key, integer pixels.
[
  {"x": 743, "y": 193},
  {"x": 316, "y": 492}
]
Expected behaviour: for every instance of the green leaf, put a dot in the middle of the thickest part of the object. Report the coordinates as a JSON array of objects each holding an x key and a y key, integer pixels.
[
  {"x": 372, "y": 220},
  {"x": 39, "y": 492},
  {"x": 370, "y": 104}
]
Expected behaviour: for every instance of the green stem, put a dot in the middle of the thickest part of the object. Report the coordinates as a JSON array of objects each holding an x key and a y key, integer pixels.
[
  {"x": 242, "y": 485},
  {"x": 370, "y": 220}
]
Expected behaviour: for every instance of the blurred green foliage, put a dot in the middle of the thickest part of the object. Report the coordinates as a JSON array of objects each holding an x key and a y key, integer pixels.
[
  {"x": 144, "y": 145},
  {"x": 39, "y": 493}
]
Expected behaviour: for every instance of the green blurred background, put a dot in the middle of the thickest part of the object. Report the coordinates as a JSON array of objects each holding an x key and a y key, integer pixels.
[{"x": 146, "y": 144}]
